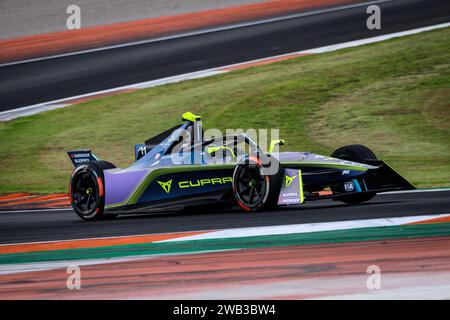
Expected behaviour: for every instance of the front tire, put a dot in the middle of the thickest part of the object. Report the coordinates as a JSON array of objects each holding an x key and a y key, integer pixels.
[
  {"x": 255, "y": 186},
  {"x": 87, "y": 191},
  {"x": 356, "y": 153}
]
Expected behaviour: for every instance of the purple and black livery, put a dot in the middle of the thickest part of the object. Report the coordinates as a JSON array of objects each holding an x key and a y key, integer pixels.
[{"x": 180, "y": 169}]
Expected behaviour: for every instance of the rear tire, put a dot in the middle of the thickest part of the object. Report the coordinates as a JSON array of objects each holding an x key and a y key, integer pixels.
[
  {"x": 87, "y": 191},
  {"x": 254, "y": 188},
  {"x": 357, "y": 153}
]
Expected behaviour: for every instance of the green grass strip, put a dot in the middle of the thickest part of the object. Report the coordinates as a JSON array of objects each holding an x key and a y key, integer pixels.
[
  {"x": 352, "y": 235},
  {"x": 391, "y": 96}
]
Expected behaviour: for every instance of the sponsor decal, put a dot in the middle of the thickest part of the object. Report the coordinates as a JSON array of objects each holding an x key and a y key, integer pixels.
[
  {"x": 166, "y": 185},
  {"x": 166, "y": 144},
  {"x": 203, "y": 182},
  {"x": 349, "y": 186},
  {"x": 291, "y": 190},
  {"x": 142, "y": 150},
  {"x": 289, "y": 180},
  {"x": 290, "y": 199},
  {"x": 194, "y": 183},
  {"x": 81, "y": 160},
  {"x": 80, "y": 155}
]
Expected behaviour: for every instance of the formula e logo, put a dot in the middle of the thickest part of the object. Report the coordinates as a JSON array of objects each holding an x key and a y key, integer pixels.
[
  {"x": 349, "y": 186},
  {"x": 166, "y": 185},
  {"x": 289, "y": 180}
]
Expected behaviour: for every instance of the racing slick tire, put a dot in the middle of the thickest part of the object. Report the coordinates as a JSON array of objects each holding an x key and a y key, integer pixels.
[
  {"x": 356, "y": 153},
  {"x": 87, "y": 191},
  {"x": 255, "y": 186}
]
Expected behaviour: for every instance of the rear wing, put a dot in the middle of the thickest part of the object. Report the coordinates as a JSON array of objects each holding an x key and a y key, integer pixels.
[{"x": 79, "y": 157}]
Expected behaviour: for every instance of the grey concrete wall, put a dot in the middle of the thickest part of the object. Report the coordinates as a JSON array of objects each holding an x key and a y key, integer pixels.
[{"x": 27, "y": 17}]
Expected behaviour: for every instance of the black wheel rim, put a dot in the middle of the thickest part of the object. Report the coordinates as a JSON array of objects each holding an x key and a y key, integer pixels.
[
  {"x": 250, "y": 185},
  {"x": 85, "y": 192}
]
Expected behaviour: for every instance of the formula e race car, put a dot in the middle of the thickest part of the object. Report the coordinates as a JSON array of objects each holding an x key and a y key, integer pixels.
[{"x": 180, "y": 169}]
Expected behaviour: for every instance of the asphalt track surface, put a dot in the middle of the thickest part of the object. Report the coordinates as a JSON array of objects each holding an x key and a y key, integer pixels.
[
  {"x": 42, "y": 225},
  {"x": 35, "y": 82}
]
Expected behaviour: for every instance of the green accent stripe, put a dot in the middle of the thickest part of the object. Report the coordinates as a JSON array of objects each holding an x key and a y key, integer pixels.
[
  {"x": 339, "y": 236},
  {"x": 300, "y": 182}
]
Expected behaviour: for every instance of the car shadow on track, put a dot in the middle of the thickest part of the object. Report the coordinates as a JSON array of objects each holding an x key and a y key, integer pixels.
[{"x": 236, "y": 211}]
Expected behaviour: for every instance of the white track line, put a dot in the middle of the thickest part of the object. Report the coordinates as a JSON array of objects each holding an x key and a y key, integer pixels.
[
  {"x": 103, "y": 238},
  {"x": 45, "y": 106},
  {"x": 220, "y": 234},
  {"x": 204, "y": 31},
  {"x": 306, "y": 228}
]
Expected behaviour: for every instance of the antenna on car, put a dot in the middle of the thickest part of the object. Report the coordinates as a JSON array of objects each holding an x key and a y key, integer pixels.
[{"x": 197, "y": 138}]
